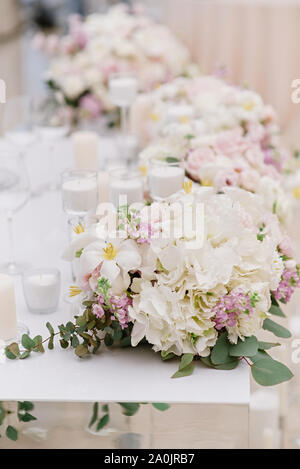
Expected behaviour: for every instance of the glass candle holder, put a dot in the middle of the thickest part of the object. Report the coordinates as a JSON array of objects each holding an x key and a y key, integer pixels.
[
  {"x": 165, "y": 177},
  {"x": 125, "y": 187},
  {"x": 123, "y": 90},
  {"x": 79, "y": 192},
  {"x": 42, "y": 290}
]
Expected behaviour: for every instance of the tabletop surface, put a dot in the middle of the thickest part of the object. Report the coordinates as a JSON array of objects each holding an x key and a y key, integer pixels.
[{"x": 122, "y": 375}]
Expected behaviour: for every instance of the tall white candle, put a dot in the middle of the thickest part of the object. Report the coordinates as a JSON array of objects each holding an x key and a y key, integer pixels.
[
  {"x": 123, "y": 90},
  {"x": 165, "y": 180},
  {"x": 85, "y": 150},
  {"x": 8, "y": 317},
  {"x": 41, "y": 289},
  {"x": 103, "y": 187},
  {"x": 80, "y": 196},
  {"x": 131, "y": 188}
]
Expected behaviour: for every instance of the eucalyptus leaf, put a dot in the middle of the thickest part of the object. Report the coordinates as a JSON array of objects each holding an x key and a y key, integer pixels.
[
  {"x": 94, "y": 415},
  {"x": 268, "y": 372},
  {"x": 12, "y": 433},
  {"x": 277, "y": 311},
  {"x": 27, "y": 342},
  {"x": 186, "y": 360},
  {"x": 220, "y": 352},
  {"x": 160, "y": 406},
  {"x": 167, "y": 355},
  {"x": 187, "y": 371},
  {"x": 102, "y": 422},
  {"x": 277, "y": 330},
  {"x": 244, "y": 348},
  {"x": 130, "y": 408},
  {"x": 267, "y": 345}
]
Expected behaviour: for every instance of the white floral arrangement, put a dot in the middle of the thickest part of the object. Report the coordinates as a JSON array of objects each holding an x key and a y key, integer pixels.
[
  {"x": 216, "y": 106},
  {"x": 156, "y": 280},
  {"x": 101, "y": 44}
]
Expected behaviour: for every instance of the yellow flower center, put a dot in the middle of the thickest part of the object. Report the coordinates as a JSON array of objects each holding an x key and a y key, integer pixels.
[
  {"x": 248, "y": 106},
  {"x": 187, "y": 186},
  {"x": 143, "y": 170},
  {"x": 74, "y": 291},
  {"x": 154, "y": 116},
  {"x": 206, "y": 182},
  {"x": 110, "y": 252},
  {"x": 184, "y": 120},
  {"x": 296, "y": 192},
  {"x": 78, "y": 228}
]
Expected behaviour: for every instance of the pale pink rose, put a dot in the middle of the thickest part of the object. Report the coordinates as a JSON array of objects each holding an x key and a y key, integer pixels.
[
  {"x": 197, "y": 159},
  {"x": 256, "y": 132},
  {"x": 286, "y": 247},
  {"x": 80, "y": 38},
  {"x": 91, "y": 105},
  {"x": 230, "y": 143},
  {"x": 226, "y": 177}
]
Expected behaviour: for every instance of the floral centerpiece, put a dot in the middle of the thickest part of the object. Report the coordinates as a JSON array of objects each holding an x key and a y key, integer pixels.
[
  {"x": 198, "y": 293},
  {"x": 102, "y": 44}
]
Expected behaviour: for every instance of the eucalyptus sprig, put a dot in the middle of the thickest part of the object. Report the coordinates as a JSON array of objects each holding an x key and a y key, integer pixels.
[{"x": 23, "y": 414}]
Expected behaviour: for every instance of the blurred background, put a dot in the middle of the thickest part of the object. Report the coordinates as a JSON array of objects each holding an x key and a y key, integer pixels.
[{"x": 257, "y": 40}]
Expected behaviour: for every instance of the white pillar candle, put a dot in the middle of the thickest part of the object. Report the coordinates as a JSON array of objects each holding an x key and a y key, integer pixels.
[
  {"x": 85, "y": 147},
  {"x": 131, "y": 188},
  {"x": 268, "y": 438},
  {"x": 123, "y": 90},
  {"x": 103, "y": 187},
  {"x": 80, "y": 196},
  {"x": 181, "y": 113},
  {"x": 139, "y": 114},
  {"x": 165, "y": 180},
  {"x": 8, "y": 317},
  {"x": 42, "y": 289}
]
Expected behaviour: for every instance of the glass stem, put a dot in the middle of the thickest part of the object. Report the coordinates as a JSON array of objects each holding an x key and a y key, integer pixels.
[
  {"x": 11, "y": 239},
  {"x": 124, "y": 115}
]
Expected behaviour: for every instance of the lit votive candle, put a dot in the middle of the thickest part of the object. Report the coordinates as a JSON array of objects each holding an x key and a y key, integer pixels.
[
  {"x": 165, "y": 178},
  {"x": 122, "y": 90},
  {"x": 42, "y": 290},
  {"x": 79, "y": 192},
  {"x": 8, "y": 317},
  {"x": 85, "y": 150},
  {"x": 125, "y": 187}
]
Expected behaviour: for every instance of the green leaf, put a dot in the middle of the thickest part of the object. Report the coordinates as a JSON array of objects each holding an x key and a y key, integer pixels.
[
  {"x": 81, "y": 350},
  {"x": 167, "y": 355},
  {"x": 130, "y": 408},
  {"x": 38, "y": 346},
  {"x": 160, "y": 406},
  {"x": 64, "y": 343},
  {"x": 25, "y": 405},
  {"x": 207, "y": 361},
  {"x": 267, "y": 345},
  {"x": 187, "y": 371},
  {"x": 186, "y": 360},
  {"x": 245, "y": 348},
  {"x": 261, "y": 354},
  {"x": 220, "y": 352},
  {"x": 12, "y": 351},
  {"x": 74, "y": 341},
  {"x": 27, "y": 342},
  {"x": 125, "y": 342},
  {"x": 50, "y": 328},
  {"x": 105, "y": 408},
  {"x": 26, "y": 417},
  {"x": 277, "y": 330},
  {"x": 230, "y": 365},
  {"x": 102, "y": 422},
  {"x": 277, "y": 311},
  {"x": 24, "y": 355},
  {"x": 94, "y": 415},
  {"x": 268, "y": 372},
  {"x": 12, "y": 433},
  {"x": 108, "y": 340},
  {"x": 51, "y": 343}
]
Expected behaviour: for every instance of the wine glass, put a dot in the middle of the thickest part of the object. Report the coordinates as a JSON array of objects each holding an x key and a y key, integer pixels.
[
  {"x": 51, "y": 125},
  {"x": 18, "y": 122},
  {"x": 14, "y": 193}
]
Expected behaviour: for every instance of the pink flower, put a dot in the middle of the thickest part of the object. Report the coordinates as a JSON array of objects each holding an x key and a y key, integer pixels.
[
  {"x": 80, "y": 38},
  {"x": 97, "y": 307},
  {"x": 91, "y": 105},
  {"x": 230, "y": 306},
  {"x": 230, "y": 143},
  {"x": 226, "y": 177},
  {"x": 289, "y": 281},
  {"x": 286, "y": 247},
  {"x": 120, "y": 309},
  {"x": 197, "y": 159}
]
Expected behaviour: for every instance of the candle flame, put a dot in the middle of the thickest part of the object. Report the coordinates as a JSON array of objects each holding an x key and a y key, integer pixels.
[
  {"x": 187, "y": 186},
  {"x": 78, "y": 228},
  {"x": 110, "y": 252},
  {"x": 74, "y": 291}
]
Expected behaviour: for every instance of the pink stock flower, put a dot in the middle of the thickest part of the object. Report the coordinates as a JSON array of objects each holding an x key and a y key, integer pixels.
[
  {"x": 91, "y": 105},
  {"x": 289, "y": 281},
  {"x": 120, "y": 309},
  {"x": 229, "y": 308}
]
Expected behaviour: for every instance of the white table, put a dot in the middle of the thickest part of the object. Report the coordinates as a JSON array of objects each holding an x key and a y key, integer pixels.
[{"x": 114, "y": 375}]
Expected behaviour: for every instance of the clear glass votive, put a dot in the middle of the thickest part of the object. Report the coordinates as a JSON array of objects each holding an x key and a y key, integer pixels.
[
  {"x": 42, "y": 289},
  {"x": 79, "y": 192},
  {"x": 125, "y": 187},
  {"x": 165, "y": 177}
]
